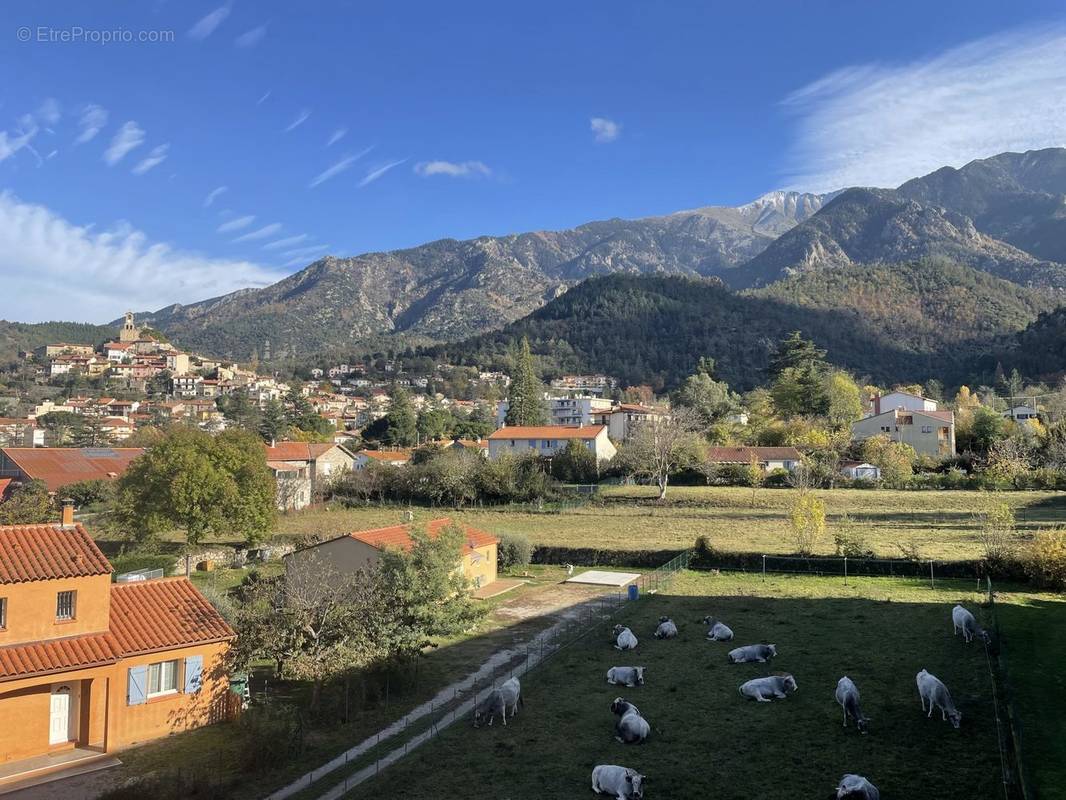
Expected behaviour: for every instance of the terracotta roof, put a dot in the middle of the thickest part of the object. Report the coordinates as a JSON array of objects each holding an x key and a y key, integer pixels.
[
  {"x": 163, "y": 614},
  {"x": 743, "y": 455},
  {"x": 44, "y": 552},
  {"x": 387, "y": 455},
  {"x": 297, "y": 451},
  {"x": 548, "y": 432},
  {"x": 58, "y": 655},
  {"x": 947, "y": 416},
  {"x": 399, "y": 536},
  {"x": 59, "y": 466}
]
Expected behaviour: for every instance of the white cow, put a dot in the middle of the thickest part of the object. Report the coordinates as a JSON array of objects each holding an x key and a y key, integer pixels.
[
  {"x": 506, "y": 697},
  {"x": 770, "y": 687},
  {"x": 631, "y": 726},
  {"x": 628, "y": 676},
  {"x": 717, "y": 631},
  {"x": 752, "y": 652},
  {"x": 511, "y": 689},
  {"x": 666, "y": 630},
  {"x": 624, "y": 638},
  {"x": 932, "y": 690},
  {"x": 847, "y": 695},
  {"x": 856, "y": 787},
  {"x": 964, "y": 621},
  {"x": 620, "y": 782}
]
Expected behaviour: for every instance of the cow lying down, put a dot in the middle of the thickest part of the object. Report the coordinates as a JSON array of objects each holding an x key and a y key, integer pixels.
[
  {"x": 667, "y": 629},
  {"x": 771, "y": 687},
  {"x": 624, "y": 638},
  {"x": 626, "y": 676},
  {"x": 621, "y": 783},
  {"x": 631, "y": 726},
  {"x": 856, "y": 787},
  {"x": 717, "y": 631},
  {"x": 506, "y": 697},
  {"x": 752, "y": 652}
]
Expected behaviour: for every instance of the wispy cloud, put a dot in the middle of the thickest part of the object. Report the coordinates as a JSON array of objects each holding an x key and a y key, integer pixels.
[
  {"x": 212, "y": 196},
  {"x": 301, "y": 118},
  {"x": 604, "y": 130},
  {"x": 264, "y": 98},
  {"x": 54, "y": 269},
  {"x": 251, "y": 38},
  {"x": 451, "y": 169},
  {"x": 155, "y": 157},
  {"x": 880, "y": 125},
  {"x": 236, "y": 224},
  {"x": 207, "y": 24},
  {"x": 11, "y": 143},
  {"x": 336, "y": 136},
  {"x": 261, "y": 233},
  {"x": 337, "y": 168},
  {"x": 49, "y": 112},
  {"x": 374, "y": 174},
  {"x": 128, "y": 137},
  {"x": 286, "y": 242},
  {"x": 93, "y": 119}
]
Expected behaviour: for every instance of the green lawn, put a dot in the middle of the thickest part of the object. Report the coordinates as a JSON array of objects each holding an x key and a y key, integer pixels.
[
  {"x": 941, "y": 524},
  {"x": 707, "y": 740}
]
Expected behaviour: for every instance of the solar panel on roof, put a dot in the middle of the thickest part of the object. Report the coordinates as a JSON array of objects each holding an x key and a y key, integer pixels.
[{"x": 99, "y": 452}]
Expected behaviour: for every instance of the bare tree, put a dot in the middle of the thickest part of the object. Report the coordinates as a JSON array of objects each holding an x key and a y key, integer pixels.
[{"x": 661, "y": 445}]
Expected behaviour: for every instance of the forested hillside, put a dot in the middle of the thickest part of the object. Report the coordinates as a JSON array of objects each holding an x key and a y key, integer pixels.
[{"x": 20, "y": 336}]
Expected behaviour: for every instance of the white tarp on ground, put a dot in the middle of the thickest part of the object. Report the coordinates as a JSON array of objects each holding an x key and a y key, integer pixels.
[{"x": 601, "y": 578}]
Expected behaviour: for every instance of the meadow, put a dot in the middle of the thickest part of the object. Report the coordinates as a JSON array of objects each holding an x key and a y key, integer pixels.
[{"x": 706, "y": 739}]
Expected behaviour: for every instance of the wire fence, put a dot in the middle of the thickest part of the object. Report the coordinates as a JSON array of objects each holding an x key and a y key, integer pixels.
[
  {"x": 845, "y": 567},
  {"x": 462, "y": 699}
]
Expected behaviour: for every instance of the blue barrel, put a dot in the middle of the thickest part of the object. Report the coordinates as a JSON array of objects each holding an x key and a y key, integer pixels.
[{"x": 634, "y": 591}]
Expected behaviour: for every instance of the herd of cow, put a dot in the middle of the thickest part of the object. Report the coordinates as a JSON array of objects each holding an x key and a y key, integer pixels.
[{"x": 624, "y": 783}]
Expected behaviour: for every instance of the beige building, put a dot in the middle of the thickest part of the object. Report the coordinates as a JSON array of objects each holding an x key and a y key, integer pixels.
[
  {"x": 338, "y": 558},
  {"x": 302, "y": 469},
  {"x": 547, "y": 440},
  {"x": 929, "y": 432},
  {"x": 623, "y": 419}
]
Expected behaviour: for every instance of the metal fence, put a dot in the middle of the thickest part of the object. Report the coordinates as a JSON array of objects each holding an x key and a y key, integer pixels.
[
  {"x": 844, "y": 567},
  {"x": 1016, "y": 784},
  {"x": 577, "y": 622}
]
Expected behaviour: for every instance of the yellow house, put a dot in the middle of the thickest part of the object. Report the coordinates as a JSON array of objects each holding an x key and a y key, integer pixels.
[
  {"x": 88, "y": 667},
  {"x": 346, "y": 554}
]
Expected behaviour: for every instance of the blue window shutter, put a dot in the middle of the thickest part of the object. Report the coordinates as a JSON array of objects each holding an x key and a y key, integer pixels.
[
  {"x": 136, "y": 685},
  {"x": 194, "y": 667}
]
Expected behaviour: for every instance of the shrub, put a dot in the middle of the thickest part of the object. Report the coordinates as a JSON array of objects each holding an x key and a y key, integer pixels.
[
  {"x": 132, "y": 563},
  {"x": 271, "y": 734},
  {"x": 1045, "y": 559},
  {"x": 997, "y": 534},
  {"x": 514, "y": 550},
  {"x": 808, "y": 522},
  {"x": 87, "y": 493},
  {"x": 849, "y": 539},
  {"x": 777, "y": 478}
]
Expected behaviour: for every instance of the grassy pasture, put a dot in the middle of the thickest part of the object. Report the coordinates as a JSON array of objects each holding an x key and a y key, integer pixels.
[{"x": 707, "y": 740}]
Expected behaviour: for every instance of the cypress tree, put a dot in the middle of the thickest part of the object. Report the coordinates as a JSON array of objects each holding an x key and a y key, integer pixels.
[{"x": 525, "y": 397}]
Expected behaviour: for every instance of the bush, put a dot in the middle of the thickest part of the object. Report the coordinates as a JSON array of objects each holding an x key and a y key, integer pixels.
[
  {"x": 849, "y": 539},
  {"x": 132, "y": 563},
  {"x": 514, "y": 550},
  {"x": 1045, "y": 559},
  {"x": 271, "y": 734},
  {"x": 777, "y": 479},
  {"x": 87, "y": 493}
]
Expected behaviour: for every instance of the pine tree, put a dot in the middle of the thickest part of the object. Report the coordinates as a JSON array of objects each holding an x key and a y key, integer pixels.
[
  {"x": 794, "y": 352},
  {"x": 525, "y": 399},
  {"x": 401, "y": 421},
  {"x": 272, "y": 422}
]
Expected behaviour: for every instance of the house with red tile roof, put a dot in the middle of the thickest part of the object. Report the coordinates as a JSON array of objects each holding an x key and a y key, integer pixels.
[
  {"x": 335, "y": 559},
  {"x": 88, "y": 667},
  {"x": 396, "y": 458},
  {"x": 547, "y": 440},
  {"x": 768, "y": 458},
  {"x": 59, "y": 466},
  {"x": 303, "y": 469}
]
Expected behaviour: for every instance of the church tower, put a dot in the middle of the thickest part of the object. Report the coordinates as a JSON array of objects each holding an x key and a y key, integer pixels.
[{"x": 129, "y": 332}]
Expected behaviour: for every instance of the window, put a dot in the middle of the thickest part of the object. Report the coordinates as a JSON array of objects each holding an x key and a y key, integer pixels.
[
  {"x": 545, "y": 444},
  {"x": 906, "y": 420},
  {"x": 162, "y": 678},
  {"x": 3, "y": 613},
  {"x": 65, "y": 605},
  {"x": 927, "y": 429}
]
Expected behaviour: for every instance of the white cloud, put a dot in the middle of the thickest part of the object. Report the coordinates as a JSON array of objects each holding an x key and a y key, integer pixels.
[
  {"x": 207, "y": 25},
  {"x": 286, "y": 242},
  {"x": 301, "y": 118},
  {"x": 55, "y": 270},
  {"x": 264, "y": 98},
  {"x": 128, "y": 137},
  {"x": 261, "y": 233},
  {"x": 93, "y": 119},
  {"x": 336, "y": 136},
  {"x": 464, "y": 169},
  {"x": 213, "y": 195},
  {"x": 236, "y": 224},
  {"x": 374, "y": 174},
  {"x": 879, "y": 125},
  {"x": 12, "y": 143},
  {"x": 604, "y": 130},
  {"x": 251, "y": 38},
  {"x": 155, "y": 157},
  {"x": 337, "y": 169},
  {"x": 49, "y": 112}
]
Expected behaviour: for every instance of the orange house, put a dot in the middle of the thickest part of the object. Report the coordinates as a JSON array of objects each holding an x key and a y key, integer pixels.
[{"x": 88, "y": 667}]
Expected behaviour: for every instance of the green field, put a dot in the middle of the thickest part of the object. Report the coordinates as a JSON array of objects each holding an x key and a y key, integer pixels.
[
  {"x": 941, "y": 524},
  {"x": 707, "y": 740}
]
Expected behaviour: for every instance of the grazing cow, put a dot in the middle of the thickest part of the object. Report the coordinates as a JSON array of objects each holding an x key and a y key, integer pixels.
[
  {"x": 488, "y": 708},
  {"x": 964, "y": 621},
  {"x": 620, "y": 782},
  {"x": 856, "y": 787},
  {"x": 717, "y": 631},
  {"x": 511, "y": 689},
  {"x": 932, "y": 690},
  {"x": 666, "y": 630},
  {"x": 631, "y": 726},
  {"x": 752, "y": 652},
  {"x": 624, "y": 638},
  {"x": 768, "y": 688},
  {"x": 848, "y": 696},
  {"x": 627, "y": 676}
]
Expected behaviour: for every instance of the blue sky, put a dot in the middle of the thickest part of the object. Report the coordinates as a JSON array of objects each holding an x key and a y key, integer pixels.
[{"x": 265, "y": 134}]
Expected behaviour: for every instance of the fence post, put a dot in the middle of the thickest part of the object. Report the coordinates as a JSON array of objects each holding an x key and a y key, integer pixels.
[
  {"x": 764, "y": 567},
  {"x": 845, "y": 570},
  {"x": 932, "y": 581}
]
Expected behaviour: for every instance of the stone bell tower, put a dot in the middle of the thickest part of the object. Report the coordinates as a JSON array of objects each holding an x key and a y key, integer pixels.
[{"x": 129, "y": 332}]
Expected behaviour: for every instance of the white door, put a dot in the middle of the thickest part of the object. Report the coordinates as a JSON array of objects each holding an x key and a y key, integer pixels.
[{"x": 59, "y": 723}]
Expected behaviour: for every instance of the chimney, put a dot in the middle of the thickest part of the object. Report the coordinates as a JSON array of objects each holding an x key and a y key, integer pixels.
[{"x": 68, "y": 513}]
